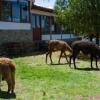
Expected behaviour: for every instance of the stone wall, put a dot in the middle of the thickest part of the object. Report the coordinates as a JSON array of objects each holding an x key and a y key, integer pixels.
[
  {"x": 7, "y": 36},
  {"x": 18, "y": 43}
]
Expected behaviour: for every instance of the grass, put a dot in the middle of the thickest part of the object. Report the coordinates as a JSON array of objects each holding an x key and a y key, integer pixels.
[{"x": 36, "y": 80}]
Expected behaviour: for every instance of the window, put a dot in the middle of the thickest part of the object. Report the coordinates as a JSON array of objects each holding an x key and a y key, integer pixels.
[
  {"x": 33, "y": 21},
  {"x": 38, "y": 21},
  {"x": 5, "y": 11},
  {"x": 14, "y": 11},
  {"x": 53, "y": 26},
  {"x": 47, "y": 25},
  {"x": 24, "y": 13},
  {"x": 43, "y": 24}
]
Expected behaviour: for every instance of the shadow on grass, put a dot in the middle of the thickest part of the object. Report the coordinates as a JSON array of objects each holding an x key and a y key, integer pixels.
[
  {"x": 59, "y": 64},
  {"x": 5, "y": 95},
  {"x": 24, "y": 54},
  {"x": 88, "y": 69}
]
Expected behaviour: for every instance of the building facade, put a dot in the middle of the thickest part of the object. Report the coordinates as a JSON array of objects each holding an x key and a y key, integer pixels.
[
  {"x": 22, "y": 24},
  {"x": 15, "y": 23},
  {"x": 44, "y": 26}
]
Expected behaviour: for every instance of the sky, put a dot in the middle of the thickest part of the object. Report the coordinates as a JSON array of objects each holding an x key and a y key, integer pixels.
[{"x": 45, "y": 3}]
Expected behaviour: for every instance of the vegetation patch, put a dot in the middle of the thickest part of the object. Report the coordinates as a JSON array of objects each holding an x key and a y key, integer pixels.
[{"x": 36, "y": 80}]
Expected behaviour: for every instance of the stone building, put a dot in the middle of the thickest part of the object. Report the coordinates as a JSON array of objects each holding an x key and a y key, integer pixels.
[{"x": 24, "y": 26}]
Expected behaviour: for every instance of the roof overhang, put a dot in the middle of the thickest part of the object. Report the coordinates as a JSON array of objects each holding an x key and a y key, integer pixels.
[{"x": 42, "y": 11}]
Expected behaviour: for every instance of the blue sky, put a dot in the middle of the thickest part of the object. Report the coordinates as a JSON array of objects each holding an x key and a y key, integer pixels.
[{"x": 45, "y": 3}]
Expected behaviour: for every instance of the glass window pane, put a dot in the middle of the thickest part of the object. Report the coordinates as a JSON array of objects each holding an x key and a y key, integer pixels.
[
  {"x": 47, "y": 25},
  {"x": 42, "y": 22},
  {"x": 38, "y": 21},
  {"x": 33, "y": 20},
  {"x": 15, "y": 12},
  {"x": 24, "y": 13},
  {"x": 5, "y": 11},
  {"x": 42, "y": 25}
]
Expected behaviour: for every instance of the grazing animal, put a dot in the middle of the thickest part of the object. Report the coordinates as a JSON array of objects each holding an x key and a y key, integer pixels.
[
  {"x": 56, "y": 45},
  {"x": 7, "y": 72},
  {"x": 87, "y": 47}
]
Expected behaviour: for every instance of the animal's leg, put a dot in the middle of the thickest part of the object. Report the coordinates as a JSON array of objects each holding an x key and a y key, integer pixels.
[
  {"x": 60, "y": 56},
  {"x": 70, "y": 60},
  {"x": 91, "y": 61},
  {"x": 96, "y": 62},
  {"x": 9, "y": 82},
  {"x": 7, "y": 77},
  {"x": 47, "y": 56},
  {"x": 74, "y": 57},
  {"x": 9, "y": 85},
  {"x": 50, "y": 54},
  {"x": 66, "y": 57},
  {"x": 13, "y": 81},
  {"x": 74, "y": 61}
]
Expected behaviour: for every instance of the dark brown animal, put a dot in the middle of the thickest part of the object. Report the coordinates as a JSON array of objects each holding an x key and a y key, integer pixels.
[
  {"x": 86, "y": 47},
  {"x": 7, "y": 71},
  {"x": 56, "y": 45}
]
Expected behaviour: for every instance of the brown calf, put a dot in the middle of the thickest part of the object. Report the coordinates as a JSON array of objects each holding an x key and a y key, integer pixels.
[{"x": 56, "y": 45}]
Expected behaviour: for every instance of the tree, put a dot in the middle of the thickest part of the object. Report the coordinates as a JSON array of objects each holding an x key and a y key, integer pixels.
[
  {"x": 81, "y": 16},
  {"x": 60, "y": 14}
]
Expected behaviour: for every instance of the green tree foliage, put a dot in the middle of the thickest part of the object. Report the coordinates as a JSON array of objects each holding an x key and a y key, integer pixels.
[
  {"x": 60, "y": 11},
  {"x": 80, "y": 16}
]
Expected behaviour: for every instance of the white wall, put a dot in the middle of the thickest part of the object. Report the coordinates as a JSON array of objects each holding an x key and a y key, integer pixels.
[
  {"x": 57, "y": 36},
  {"x": 14, "y": 26}
]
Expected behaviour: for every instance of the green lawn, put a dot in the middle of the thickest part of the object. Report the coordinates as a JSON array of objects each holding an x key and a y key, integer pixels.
[{"x": 36, "y": 80}]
